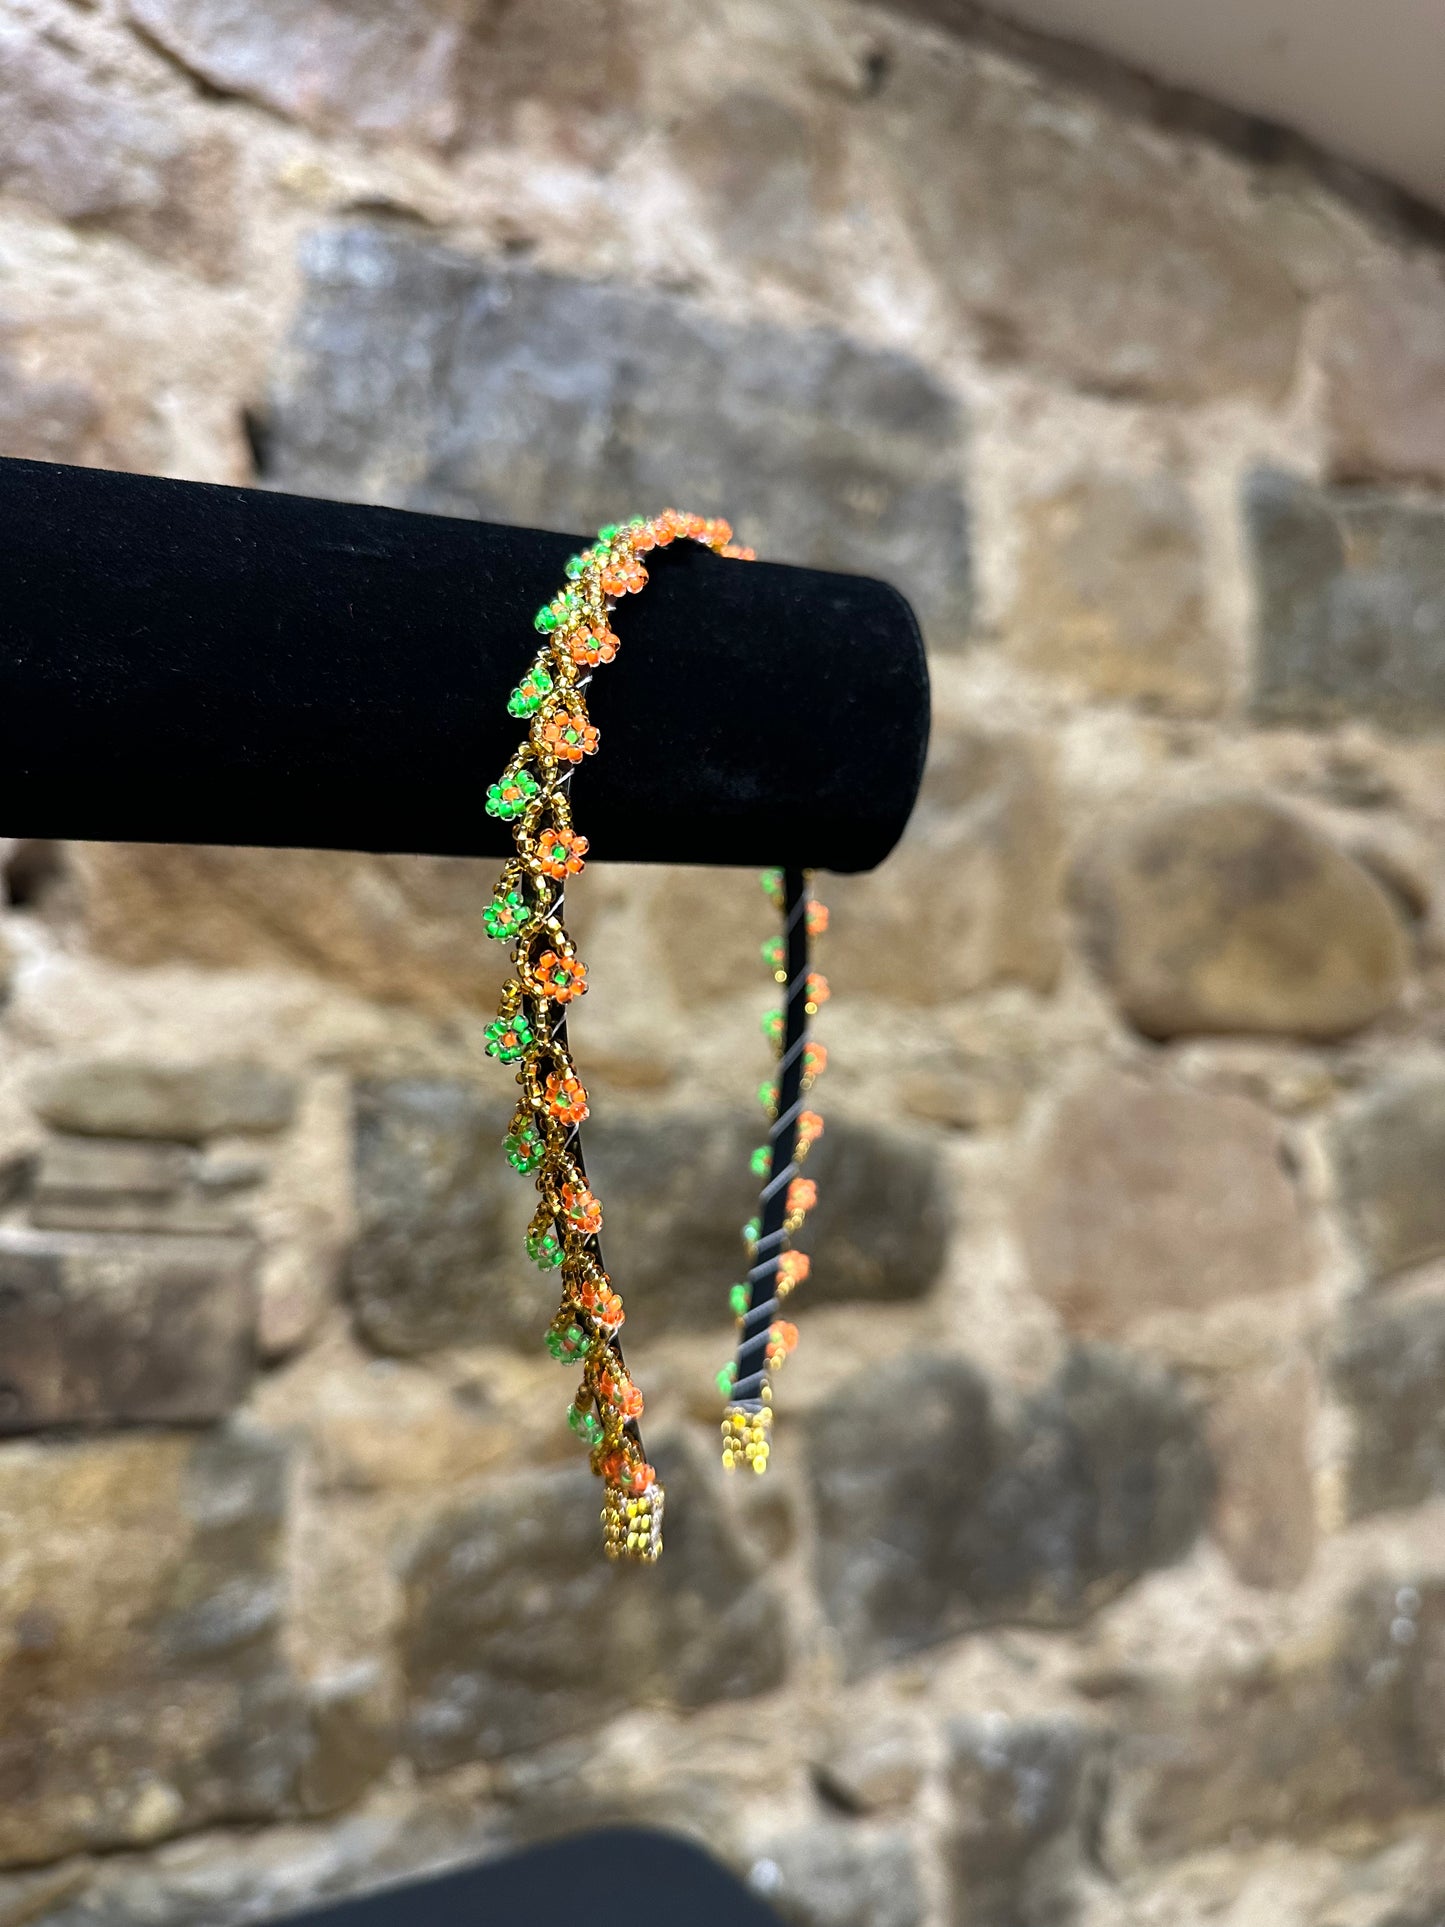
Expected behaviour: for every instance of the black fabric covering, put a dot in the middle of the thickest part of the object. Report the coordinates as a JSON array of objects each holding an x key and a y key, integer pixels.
[
  {"x": 615, "y": 1879},
  {"x": 192, "y": 664}
]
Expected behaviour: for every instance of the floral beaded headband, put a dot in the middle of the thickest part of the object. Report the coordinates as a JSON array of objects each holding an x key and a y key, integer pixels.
[{"x": 532, "y": 796}]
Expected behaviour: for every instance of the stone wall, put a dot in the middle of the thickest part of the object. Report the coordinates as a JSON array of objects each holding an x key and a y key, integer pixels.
[{"x": 1100, "y": 1579}]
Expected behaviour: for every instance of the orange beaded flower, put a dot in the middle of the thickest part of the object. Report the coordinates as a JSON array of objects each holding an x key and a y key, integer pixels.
[
  {"x": 569, "y": 736},
  {"x": 582, "y": 1209},
  {"x": 565, "y": 1097},
  {"x": 810, "y": 1129},
  {"x": 560, "y": 853},
  {"x": 561, "y": 977},
  {"x": 618, "y": 1390},
  {"x": 590, "y": 644},
  {"x": 600, "y": 1302},
  {"x": 793, "y": 1268},
  {"x": 802, "y": 1195}
]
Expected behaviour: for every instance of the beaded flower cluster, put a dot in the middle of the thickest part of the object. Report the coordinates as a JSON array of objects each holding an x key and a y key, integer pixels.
[
  {"x": 531, "y": 797},
  {"x": 775, "y": 1269}
]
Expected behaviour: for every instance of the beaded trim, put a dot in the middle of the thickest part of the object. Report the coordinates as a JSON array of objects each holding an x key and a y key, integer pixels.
[
  {"x": 765, "y": 1339},
  {"x": 532, "y": 798}
]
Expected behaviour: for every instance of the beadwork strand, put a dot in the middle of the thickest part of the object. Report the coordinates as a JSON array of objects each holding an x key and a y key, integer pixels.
[
  {"x": 532, "y": 796},
  {"x": 765, "y": 1339}
]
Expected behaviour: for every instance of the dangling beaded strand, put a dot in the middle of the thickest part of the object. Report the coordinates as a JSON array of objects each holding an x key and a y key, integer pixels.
[{"x": 532, "y": 796}]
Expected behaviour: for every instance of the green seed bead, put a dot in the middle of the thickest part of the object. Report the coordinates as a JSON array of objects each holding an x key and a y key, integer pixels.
[
  {"x": 739, "y": 1298},
  {"x": 508, "y": 1039},
  {"x": 586, "y": 1425},
  {"x": 544, "y": 1250},
  {"x": 566, "y": 1342},
  {"x": 524, "y": 1149}
]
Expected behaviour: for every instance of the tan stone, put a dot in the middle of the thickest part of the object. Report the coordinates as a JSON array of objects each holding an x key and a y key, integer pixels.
[
  {"x": 397, "y": 928},
  {"x": 1383, "y": 356},
  {"x": 1074, "y": 240},
  {"x": 1143, "y": 1198},
  {"x": 126, "y": 1097},
  {"x": 768, "y": 177},
  {"x": 1341, "y": 1728},
  {"x": 77, "y": 145},
  {"x": 141, "y": 1689},
  {"x": 1235, "y": 915},
  {"x": 1261, "y": 1432},
  {"x": 383, "y": 69},
  {"x": 1111, "y": 599},
  {"x": 981, "y": 860},
  {"x": 45, "y": 421}
]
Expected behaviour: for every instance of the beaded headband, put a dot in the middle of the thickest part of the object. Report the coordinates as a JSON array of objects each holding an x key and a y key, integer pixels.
[{"x": 532, "y": 796}]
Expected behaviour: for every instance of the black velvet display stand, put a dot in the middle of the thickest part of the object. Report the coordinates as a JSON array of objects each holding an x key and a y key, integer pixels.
[
  {"x": 623, "y": 1878},
  {"x": 190, "y": 664}
]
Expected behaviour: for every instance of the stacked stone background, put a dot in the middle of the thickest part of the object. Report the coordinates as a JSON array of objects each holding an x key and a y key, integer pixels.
[{"x": 1100, "y": 1578}]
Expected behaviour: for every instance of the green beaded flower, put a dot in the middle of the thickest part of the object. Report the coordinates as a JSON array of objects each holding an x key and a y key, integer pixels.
[
  {"x": 607, "y": 534},
  {"x": 752, "y": 1231},
  {"x": 524, "y": 1148},
  {"x": 768, "y": 1094},
  {"x": 566, "y": 1340},
  {"x": 546, "y": 619},
  {"x": 773, "y": 1026},
  {"x": 507, "y": 915},
  {"x": 586, "y": 1425},
  {"x": 739, "y": 1297},
  {"x": 530, "y": 694},
  {"x": 775, "y": 952},
  {"x": 761, "y": 1161},
  {"x": 726, "y": 1378},
  {"x": 508, "y": 798},
  {"x": 508, "y": 1038},
  {"x": 543, "y": 1249},
  {"x": 772, "y": 885}
]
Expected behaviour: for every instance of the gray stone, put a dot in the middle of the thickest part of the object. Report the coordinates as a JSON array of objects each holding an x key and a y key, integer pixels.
[
  {"x": 1111, "y": 600},
  {"x": 1074, "y": 240},
  {"x": 72, "y": 142},
  {"x": 1383, "y": 359},
  {"x": 1340, "y": 1727},
  {"x": 1026, "y": 1797},
  {"x": 123, "y": 1329},
  {"x": 834, "y": 1873},
  {"x": 1389, "y": 1153},
  {"x": 1388, "y": 1365},
  {"x": 419, "y": 377},
  {"x": 128, "y": 1184},
  {"x": 518, "y": 1631},
  {"x": 133, "y": 1097},
  {"x": 1234, "y": 915},
  {"x": 142, "y": 1687},
  {"x": 943, "y": 1513},
  {"x": 1350, "y": 589},
  {"x": 1143, "y": 1198},
  {"x": 441, "y": 1219}
]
